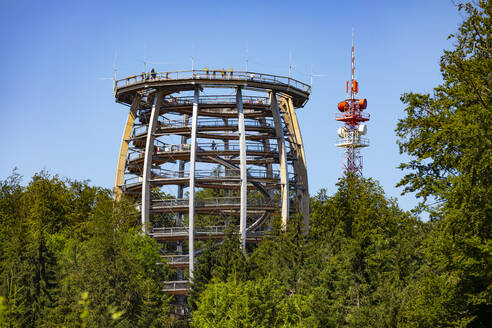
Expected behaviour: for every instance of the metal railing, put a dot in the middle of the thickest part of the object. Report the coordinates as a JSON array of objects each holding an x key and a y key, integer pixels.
[
  {"x": 184, "y": 230},
  {"x": 135, "y": 154},
  {"x": 141, "y": 131},
  {"x": 175, "y": 286},
  {"x": 208, "y": 230},
  {"x": 214, "y": 75},
  {"x": 212, "y": 202},
  {"x": 212, "y": 146},
  {"x": 214, "y": 174},
  {"x": 250, "y": 146},
  {"x": 176, "y": 259},
  {"x": 219, "y": 99},
  {"x": 167, "y": 148},
  {"x": 209, "y": 174},
  {"x": 213, "y": 122}
]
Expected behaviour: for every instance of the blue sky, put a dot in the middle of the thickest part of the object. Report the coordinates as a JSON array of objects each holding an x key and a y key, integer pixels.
[{"x": 57, "y": 113}]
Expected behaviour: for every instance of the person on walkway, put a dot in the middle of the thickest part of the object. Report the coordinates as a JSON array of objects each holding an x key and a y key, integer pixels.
[
  {"x": 214, "y": 145},
  {"x": 153, "y": 74}
]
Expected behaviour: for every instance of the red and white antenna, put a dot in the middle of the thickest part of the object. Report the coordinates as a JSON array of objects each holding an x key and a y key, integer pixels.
[
  {"x": 352, "y": 76},
  {"x": 352, "y": 115}
]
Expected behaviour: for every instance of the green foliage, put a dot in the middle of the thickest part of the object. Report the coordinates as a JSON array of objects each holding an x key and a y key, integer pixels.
[
  {"x": 449, "y": 140},
  {"x": 349, "y": 271},
  {"x": 62, "y": 239}
]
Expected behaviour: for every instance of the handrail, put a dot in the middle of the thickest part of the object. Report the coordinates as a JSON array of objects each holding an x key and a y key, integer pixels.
[
  {"x": 201, "y": 230},
  {"x": 179, "y": 285},
  {"x": 211, "y": 202},
  {"x": 210, "y": 174},
  {"x": 250, "y": 146},
  {"x": 216, "y": 99},
  {"x": 173, "y": 259},
  {"x": 213, "y": 75},
  {"x": 204, "y": 174},
  {"x": 212, "y": 146},
  {"x": 202, "y": 122}
]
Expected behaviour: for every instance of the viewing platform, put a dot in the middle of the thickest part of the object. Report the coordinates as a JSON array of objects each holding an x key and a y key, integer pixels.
[
  {"x": 176, "y": 261},
  {"x": 187, "y": 80},
  {"x": 179, "y": 287},
  {"x": 257, "y": 153},
  {"x": 210, "y": 128},
  {"x": 201, "y": 233},
  {"x": 229, "y": 179},
  {"x": 213, "y": 106},
  {"x": 212, "y": 205}
]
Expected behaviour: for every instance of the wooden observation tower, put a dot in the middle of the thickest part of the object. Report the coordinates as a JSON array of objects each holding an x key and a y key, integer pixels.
[{"x": 209, "y": 151}]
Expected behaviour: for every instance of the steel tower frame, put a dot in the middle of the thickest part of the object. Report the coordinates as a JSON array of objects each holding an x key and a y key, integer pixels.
[{"x": 352, "y": 116}]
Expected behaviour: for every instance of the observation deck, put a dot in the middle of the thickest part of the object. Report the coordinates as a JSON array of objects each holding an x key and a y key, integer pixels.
[
  {"x": 210, "y": 205},
  {"x": 257, "y": 154},
  {"x": 213, "y": 106},
  {"x": 210, "y": 128},
  {"x": 179, "y": 287},
  {"x": 206, "y": 179},
  {"x": 201, "y": 233},
  {"x": 187, "y": 80}
]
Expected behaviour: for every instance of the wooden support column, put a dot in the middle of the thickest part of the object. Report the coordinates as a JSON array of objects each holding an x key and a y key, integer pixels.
[
  {"x": 284, "y": 181},
  {"x": 191, "y": 203},
  {"x": 299, "y": 163},
  {"x": 125, "y": 140},
  {"x": 244, "y": 173},
  {"x": 302, "y": 168},
  {"x": 149, "y": 151}
]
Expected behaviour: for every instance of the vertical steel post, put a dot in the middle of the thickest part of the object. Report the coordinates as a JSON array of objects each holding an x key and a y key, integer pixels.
[
  {"x": 244, "y": 173},
  {"x": 149, "y": 151},
  {"x": 191, "y": 204},
  {"x": 284, "y": 181}
]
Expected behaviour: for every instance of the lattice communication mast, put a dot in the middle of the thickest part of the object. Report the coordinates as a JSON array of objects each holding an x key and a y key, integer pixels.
[{"x": 352, "y": 115}]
